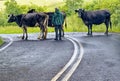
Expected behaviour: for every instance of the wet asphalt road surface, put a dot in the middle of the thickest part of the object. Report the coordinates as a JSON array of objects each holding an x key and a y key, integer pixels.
[
  {"x": 36, "y": 60},
  {"x": 101, "y": 59}
]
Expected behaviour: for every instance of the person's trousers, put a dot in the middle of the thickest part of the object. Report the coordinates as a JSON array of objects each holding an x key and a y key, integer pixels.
[{"x": 58, "y": 29}]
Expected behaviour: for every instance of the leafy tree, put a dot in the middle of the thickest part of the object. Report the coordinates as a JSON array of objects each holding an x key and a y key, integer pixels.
[
  {"x": 25, "y": 8},
  {"x": 2, "y": 19},
  {"x": 71, "y": 5},
  {"x": 12, "y": 7}
]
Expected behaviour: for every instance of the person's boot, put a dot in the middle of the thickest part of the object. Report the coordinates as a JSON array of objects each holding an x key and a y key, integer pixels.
[
  {"x": 56, "y": 38},
  {"x": 56, "y": 33},
  {"x": 60, "y": 38}
]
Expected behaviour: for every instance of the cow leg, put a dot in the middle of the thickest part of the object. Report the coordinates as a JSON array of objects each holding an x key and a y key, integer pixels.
[
  {"x": 88, "y": 30},
  {"x": 26, "y": 33},
  {"x": 45, "y": 35},
  {"x": 45, "y": 30},
  {"x": 91, "y": 30},
  {"x": 45, "y": 24},
  {"x": 40, "y": 33},
  {"x": 62, "y": 32},
  {"x": 23, "y": 32},
  {"x": 107, "y": 25}
]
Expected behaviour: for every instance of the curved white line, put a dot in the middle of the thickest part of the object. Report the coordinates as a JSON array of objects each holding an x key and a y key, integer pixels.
[
  {"x": 11, "y": 41},
  {"x": 69, "y": 63},
  {"x": 74, "y": 67}
]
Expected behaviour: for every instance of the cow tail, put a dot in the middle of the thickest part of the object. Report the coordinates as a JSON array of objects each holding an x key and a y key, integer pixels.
[
  {"x": 46, "y": 20},
  {"x": 45, "y": 26},
  {"x": 109, "y": 19},
  {"x": 65, "y": 23},
  {"x": 110, "y": 25}
]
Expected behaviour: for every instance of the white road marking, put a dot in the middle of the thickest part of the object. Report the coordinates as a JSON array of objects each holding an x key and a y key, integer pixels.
[
  {"x": 11, "y": 41},
  {"x": 68, "y": 64},
  {"x": 74, "y": 67},
  {"x": 58, "y": 75}
]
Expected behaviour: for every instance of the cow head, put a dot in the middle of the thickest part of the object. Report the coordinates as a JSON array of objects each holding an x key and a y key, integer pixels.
[
  {"x": 80, "y": 12},
  {"x": 12, "y": 18}
]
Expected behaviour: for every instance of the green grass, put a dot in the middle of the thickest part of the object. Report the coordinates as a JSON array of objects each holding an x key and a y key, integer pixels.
[
  {"x": 17, "y": 30},
  {"x": 72, "y": 28},
  {"x": 1, "y": 41}
]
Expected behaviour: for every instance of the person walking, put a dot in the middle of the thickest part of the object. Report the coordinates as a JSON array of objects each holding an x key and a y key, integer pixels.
[{"x": 57, "y": 21}]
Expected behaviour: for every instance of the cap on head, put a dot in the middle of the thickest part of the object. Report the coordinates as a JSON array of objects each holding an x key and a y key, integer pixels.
[{"x": 56, "y": 9}]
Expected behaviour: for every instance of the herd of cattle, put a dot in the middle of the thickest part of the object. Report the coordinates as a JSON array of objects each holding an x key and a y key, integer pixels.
[{"x": 44, "y": 19}]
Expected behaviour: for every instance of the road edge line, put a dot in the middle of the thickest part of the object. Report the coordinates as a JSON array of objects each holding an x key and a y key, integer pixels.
[{"x": 11, "y": 41}]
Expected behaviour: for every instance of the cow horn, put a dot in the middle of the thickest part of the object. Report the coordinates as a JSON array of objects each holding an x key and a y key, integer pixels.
[
  {"x": 12, "y": 14},
  {"x": 83, "y": 10}
]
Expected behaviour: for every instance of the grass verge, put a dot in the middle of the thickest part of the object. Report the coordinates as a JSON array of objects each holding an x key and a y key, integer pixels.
[
  {"x": 1, "y": 41},
  {"x": 17, "y": 30}
]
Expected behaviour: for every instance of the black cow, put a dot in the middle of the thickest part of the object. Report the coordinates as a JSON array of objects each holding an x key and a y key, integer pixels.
[
  {"x": 95, "y": 17},
  {"x": 50, "y": 14},
  {"x": 31, "y": 20}
]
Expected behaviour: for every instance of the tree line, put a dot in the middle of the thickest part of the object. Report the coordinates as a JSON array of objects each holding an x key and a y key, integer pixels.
[{"x": 113, "y": 6}]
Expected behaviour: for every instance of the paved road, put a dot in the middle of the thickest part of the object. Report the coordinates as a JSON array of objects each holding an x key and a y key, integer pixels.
[
  {"x": 36, "y": 60},
  {"x": 101, "y": 60}
]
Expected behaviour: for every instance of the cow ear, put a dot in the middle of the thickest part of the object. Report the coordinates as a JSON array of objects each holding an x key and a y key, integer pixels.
[
  {"x": 12, "y": 14},
  {"x": 9, "y": 15},
  {"x": 83, "y": 10},
  {"x": 76, "y": 10}
]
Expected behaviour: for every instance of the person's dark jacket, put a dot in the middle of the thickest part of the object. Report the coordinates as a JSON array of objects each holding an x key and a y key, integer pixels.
[{"x": 57, "y": 18}]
